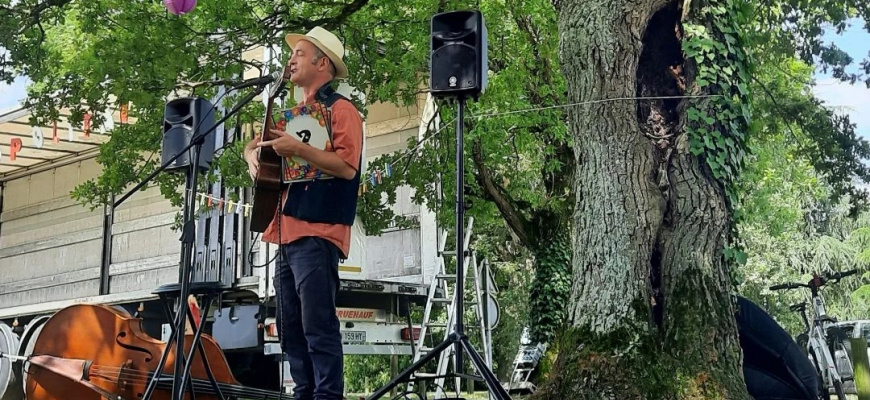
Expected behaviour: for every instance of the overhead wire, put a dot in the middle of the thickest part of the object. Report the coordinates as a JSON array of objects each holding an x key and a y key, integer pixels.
[{"x": 531, "y": 109}]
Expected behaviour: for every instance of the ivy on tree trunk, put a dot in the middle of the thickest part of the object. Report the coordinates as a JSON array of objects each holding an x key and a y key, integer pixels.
[{"x": 551, "y": 286}]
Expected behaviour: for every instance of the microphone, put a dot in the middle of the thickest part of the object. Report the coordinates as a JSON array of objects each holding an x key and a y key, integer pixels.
[{"x": 261, "y": 80}]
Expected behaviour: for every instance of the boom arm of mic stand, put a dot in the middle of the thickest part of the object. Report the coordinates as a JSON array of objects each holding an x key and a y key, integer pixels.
[{"x": 193, "y": 141}]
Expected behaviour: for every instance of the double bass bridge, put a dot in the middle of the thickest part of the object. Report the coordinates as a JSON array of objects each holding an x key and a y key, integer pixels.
[{"x": 124, "y": 373}]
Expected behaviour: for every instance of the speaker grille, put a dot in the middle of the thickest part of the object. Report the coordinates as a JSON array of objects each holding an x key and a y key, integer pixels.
[{"x": 454, "y": 68}]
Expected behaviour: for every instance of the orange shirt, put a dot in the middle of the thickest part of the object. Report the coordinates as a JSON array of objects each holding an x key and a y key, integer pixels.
[{"x": 347, "y": 141}]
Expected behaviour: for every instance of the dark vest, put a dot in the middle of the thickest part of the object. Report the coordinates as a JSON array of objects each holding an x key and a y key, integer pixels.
[{"x": 330, "y": 201}]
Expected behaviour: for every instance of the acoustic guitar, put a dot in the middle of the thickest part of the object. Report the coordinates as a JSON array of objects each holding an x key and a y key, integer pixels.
[{"x": 268, "y": 186}]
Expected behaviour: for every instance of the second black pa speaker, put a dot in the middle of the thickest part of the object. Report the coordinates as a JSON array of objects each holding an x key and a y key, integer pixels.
[
  {"x": 458, "y": 63},
  {"x": 182, "y": 119}
]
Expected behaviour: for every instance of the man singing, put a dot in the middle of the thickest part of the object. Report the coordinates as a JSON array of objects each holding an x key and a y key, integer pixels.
[{"x": 313, "y": 227}]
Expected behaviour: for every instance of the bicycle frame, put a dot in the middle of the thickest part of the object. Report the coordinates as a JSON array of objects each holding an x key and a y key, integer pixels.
[
  {"x": 817, "y": 339},
  {"x": 817, "y": 350}
]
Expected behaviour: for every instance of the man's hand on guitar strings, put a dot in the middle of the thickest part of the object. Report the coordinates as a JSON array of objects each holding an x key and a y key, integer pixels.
[
  {"x": 284, "y": 145},
  {"x": 273, "y": 133},
  {"x": 327, "y": 161}
]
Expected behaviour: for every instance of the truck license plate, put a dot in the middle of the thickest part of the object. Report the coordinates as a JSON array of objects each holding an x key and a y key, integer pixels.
[{"x": 353, "y": 336}]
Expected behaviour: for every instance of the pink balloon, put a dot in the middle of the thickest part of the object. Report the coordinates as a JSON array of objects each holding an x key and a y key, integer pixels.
[{"x": 179, "y": 6}]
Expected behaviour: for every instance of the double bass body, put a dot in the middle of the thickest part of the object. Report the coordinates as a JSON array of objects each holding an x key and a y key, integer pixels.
[{"x": 120, "y": 357}]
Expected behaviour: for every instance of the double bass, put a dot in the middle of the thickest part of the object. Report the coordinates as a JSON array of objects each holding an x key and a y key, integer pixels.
[{"x": 91, "y": 351}]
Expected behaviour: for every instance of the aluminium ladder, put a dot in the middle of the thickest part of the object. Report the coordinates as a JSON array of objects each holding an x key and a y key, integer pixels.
[{"x": 441, "y": 294}]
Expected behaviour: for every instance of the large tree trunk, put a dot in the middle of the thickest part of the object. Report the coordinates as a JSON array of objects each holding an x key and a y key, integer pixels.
[{"x": 651, "y": 310}]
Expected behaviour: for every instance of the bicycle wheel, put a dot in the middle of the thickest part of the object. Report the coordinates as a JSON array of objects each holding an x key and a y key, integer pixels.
[{"x": 824, "y": 393}]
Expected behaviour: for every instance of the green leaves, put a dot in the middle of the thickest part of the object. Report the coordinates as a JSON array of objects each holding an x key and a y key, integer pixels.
[
  {"x": 520, "y": 159},
  {"x": 791, "y": 225},
  {"x": 717, "y": 126},
  {"x": 86, "y": 56},
  {"x": 779, "y": 34},
  {"x": 828, "y": 141}
]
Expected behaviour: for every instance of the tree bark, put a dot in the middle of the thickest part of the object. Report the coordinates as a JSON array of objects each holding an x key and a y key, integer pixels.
[{"x": 651, "y": 309}]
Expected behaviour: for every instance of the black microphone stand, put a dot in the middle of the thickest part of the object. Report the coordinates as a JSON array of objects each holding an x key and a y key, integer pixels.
[
  {"x": 457, "y": 338},
  {"x": 188, "y": 234}
]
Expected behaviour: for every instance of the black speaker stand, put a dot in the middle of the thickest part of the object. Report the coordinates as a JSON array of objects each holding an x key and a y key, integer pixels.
[
  {"x": 457, "y": 338},
  {"x": 180, "y": 379}
]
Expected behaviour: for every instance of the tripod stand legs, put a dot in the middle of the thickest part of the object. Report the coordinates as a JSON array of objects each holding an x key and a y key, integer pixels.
[
  {"x": 404, "y": 375},
  {"x": 457, "y": 337},
  {"x": 489, "y": 378}
]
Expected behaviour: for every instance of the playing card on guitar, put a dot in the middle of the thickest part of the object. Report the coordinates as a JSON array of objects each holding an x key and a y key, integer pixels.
[{"x": 307, "y": 124}]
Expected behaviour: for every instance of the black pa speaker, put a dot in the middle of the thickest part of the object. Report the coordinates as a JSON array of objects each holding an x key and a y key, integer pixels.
[
  {"x": 458, "y": 63},
  {"x": 183, "y": 118}
]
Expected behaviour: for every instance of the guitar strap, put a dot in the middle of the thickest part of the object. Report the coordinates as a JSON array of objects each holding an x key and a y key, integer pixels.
[{"x": 328, "y": 96}]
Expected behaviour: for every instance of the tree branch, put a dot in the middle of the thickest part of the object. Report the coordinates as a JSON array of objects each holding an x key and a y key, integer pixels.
[
  {"x": 783, "y": 115},
  {"x": 541, "y": 66},
  {"x": 193, "y": 85},
  {"x": 37, "y": 11},
  {"x": 333, "y": 21},
  {"x": 505, "y": 205},
  {"x": 557, "y": 183}
]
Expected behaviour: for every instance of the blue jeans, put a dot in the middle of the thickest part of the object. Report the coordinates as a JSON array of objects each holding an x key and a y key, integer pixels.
[{"x": 306, "y": 284}]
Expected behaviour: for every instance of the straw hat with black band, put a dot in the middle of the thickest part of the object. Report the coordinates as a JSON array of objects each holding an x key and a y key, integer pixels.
[{"x": 328, "y": 43}]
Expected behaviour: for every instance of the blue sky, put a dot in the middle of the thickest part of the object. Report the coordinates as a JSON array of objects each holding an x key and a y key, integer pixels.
[
  {"x": 847, "y": 98},
  {"x": 10, "y": 95}
]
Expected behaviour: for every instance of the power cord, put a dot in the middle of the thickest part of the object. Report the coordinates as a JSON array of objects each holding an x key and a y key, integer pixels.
[
  {"x": 251, "y": 252},
  {"x": 405, "y": 396}
]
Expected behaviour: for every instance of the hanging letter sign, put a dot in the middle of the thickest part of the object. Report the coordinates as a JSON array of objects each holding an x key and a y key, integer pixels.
[
  {"x": 124, "y": 113},
  {"x": 108, "y": 122},
  {"x": 54, "y": 137},
  {"x": 14, "y": 148},
  {"x": 87, "y": 125},
  {"x": 38, "y": 138}
]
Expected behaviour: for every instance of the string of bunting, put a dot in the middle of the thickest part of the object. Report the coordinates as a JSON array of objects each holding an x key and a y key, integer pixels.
[
  {"x": 225, "y": 206},
  {"x": 208, "y": 202},
  {"x": 376, "y": 177}
]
